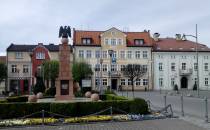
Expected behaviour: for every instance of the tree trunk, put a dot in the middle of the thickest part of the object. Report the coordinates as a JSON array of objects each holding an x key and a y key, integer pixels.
[{"x": 132, "y": 88}]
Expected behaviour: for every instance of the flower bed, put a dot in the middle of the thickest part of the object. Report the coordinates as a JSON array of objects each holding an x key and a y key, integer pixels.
[{"x": 93, "y": 118}]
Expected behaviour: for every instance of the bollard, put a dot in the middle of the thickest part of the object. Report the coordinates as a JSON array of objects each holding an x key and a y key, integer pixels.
[
  {"x": 182, "y": 105},
  {"x": 206, "y": 111},
  {"x": 164, "y": 100},
  {"x": 42, "y": 117}
]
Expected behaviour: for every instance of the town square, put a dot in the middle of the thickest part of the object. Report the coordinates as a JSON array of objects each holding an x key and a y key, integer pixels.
[{"x": 104, "y": 65}]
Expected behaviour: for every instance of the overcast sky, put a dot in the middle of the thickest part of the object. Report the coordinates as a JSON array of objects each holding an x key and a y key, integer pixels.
[{"x": 30, "y": 22}]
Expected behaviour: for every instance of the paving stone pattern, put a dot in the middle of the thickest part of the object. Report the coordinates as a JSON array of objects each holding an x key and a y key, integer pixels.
[{"x": 165, "y": 124}]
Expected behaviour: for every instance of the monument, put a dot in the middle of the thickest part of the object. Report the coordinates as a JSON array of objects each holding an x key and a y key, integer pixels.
[{"x": 64, "y": 82}]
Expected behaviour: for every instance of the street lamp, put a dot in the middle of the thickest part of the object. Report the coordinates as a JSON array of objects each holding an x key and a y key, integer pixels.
[
  {"x": 111, "y": 56},
  {"x": 100, "y": 87},
  {"x": 196, "y": 38}
]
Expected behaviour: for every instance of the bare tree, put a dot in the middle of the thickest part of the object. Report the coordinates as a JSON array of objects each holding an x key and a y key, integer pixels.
[{"x": 133, "y": 72}]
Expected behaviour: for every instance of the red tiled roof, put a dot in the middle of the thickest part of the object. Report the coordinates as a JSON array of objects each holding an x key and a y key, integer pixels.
[
  {"x": 96, "y": 41},
  {"x": 3, "y": 59},
  {"x": 171, "y": 44}
]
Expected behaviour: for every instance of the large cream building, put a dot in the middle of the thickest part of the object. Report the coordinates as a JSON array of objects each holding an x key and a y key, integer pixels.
[{"x": 127, "y": 48}]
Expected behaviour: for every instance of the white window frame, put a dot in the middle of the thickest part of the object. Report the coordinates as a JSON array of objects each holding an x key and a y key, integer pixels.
[
  {"x": 88, "y": 54},
  {"x": 122, "y": 54},
  {"x": 104, "y": 67},
  {"x": 18, "y": 55},
  {"x": 40, "y": 55},
  {"x": 129, "y": 54},
  {"x": 145, "y": 82},
  {"x": 81, "y": 54},
  {"x": 160, "y": 66},
  {"x": 104, "y": 82},
  {"x": 206, "y": 81},
  {"x": 145, "y": 54},
  {"x": 138, "y": 54},
  {"x": 122, "y": 82},
  {"x": 138, "y": 82}
]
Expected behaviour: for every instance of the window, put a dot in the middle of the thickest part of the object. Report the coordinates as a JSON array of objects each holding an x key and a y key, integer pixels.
[
  {"x": 145, "y": 68},
  {"x": 145, "y": 81},
  {"x": 104, "y": 82},
  {"x": 184, "y": 57},
  {"x": 113, "y": 67},
  {"x": 206, "y": 57},
  {"x": 129, "y": 55},
  {"x": 195, "y": 66},
  {"x": 137, "y": 54},
  {"x": 122, "y": 54},
  {"x": 88, "y": 54},
  {"x": 138, "y": 81},
  {"x": 122, "y": 81},
  {"x": 206, "y": 66},
  {"x": 144, "y": 54},
  {"x": 122, "y": 67},
  {"x": 160, "y": 82},
  {"x": 81, "y": 54},
  {"x": 40, "y": 55},
  {"x": 119, "y": 41},
  {"x": 206, "y": 81},
  {"x": 14, "y": 68},
  {"x": 113, "y": 42},
  {"x": 183, "y": 66},
  {"x": 139, "y": 41},
  {"x": 160, "y": 66},
  {"x": 173, "y": 57},
  {"x": 107, "y": 41},
  {"x": 97, "y": 54},
  {"x": 104, "y": 54},
  {"x": 86, "y": 41},
  {"x": 97, "y": 67},
  {"x": 114, "y": 55},
  {"x": 173, "y": 67},
  {"x": 104, "y": 66},
  {"x": 97, "y": 82},
  {"x": 129, "y": 82},
  {"x": 18, "y": 55},
  {"x": 25, "y": 68},
  {"x": 172, "y": 82}
]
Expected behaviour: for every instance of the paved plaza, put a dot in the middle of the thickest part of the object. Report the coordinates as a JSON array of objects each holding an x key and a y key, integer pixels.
[{"x": 165, "y": 124}]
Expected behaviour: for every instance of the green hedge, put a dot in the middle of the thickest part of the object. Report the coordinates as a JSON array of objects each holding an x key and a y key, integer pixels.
[
  {"x": 15, "y": 110},
  {"x": 109, "y": 97},
  {"x": 17, "y": 99}
]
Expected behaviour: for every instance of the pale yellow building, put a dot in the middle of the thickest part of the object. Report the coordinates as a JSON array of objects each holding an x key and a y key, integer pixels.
[{"x": 127, "y": 48}]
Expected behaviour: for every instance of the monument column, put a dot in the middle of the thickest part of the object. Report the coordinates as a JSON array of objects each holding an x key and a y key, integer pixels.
[{"x": 64, "y": 82}]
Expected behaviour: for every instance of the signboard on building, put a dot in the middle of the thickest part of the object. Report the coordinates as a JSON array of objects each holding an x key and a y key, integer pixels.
[{"x": 86, "y": 83}]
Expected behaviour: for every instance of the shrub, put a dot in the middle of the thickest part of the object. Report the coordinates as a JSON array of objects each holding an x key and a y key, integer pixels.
[
  {"x": 176, "y": 87},
  {"x": 17, "y": 99},
  {"x": 3, "y": 101},
  {"x": 137, "y": 104},
  {"x": 15, "y": 110},
  {"x": 110, "y": 97},
  {"x": 195, "y": 87},
  {"x": 50, "y": 91},
  {"x": 109, "y": 92},
  {"x": 78, "y": 94},
  {"x": 39, "y": 86}
]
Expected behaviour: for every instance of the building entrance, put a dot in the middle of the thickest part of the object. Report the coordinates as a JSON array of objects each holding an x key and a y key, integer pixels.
[{"x": 184, "y": 82}]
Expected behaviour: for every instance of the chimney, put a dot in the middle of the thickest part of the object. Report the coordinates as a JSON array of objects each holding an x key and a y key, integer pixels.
[
  {"x": 178, "y": 37},
  {"x": 40, "y": 44},
  {"x": 184, "y": 37},
  {"x": 156, "y": 36}
]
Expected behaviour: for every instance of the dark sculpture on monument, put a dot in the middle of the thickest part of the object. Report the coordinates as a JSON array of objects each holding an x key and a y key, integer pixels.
[{"x": 64, "y": 82}]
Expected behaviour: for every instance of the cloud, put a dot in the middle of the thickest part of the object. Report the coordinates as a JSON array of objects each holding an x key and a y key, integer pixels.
[{"x": 30, "y": 22}]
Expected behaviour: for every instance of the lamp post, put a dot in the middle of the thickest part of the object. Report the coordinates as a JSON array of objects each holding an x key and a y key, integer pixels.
[
  {"x": 196, "y": 38},
  {"x": 111, "y": 56},
  {"x": 100, "y": 87}
]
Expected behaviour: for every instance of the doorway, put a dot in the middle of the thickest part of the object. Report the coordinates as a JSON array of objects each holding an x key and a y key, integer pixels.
[
  {"x": 114, "y": 84},
  {"x": 184, "y": 82}
]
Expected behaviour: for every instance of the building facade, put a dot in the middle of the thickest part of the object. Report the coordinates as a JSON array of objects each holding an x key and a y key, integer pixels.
[
  {"x": 94, "y": 47},
  {"x": 24, "y": 62},
  {"x": 180, "y": 62}
]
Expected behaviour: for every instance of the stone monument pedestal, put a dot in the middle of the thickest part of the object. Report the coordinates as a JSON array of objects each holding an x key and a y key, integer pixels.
[{"x": 64, "y": 82}]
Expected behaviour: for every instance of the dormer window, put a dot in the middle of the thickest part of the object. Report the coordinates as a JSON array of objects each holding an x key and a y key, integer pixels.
[
  {"x": 139, "y": 41},
  {"x": 86, "y": 41},
  {"x": 40, "y": 55}
]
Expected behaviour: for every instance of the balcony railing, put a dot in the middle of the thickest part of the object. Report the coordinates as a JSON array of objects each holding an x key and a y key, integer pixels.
[{"x": 185, "y": 72}]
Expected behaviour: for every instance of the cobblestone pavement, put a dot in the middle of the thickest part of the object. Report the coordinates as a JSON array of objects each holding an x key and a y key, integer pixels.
[{"x": 165, "y": 124}]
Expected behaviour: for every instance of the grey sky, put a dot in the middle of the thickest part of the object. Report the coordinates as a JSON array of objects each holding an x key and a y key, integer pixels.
[{"x": 30, "y": 22}]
